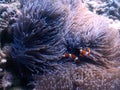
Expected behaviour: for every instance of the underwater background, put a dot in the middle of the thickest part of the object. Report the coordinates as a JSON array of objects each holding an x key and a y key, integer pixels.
[{"x": 41, "y": 43}]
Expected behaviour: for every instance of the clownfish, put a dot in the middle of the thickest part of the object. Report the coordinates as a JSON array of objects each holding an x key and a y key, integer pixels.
[
  {"x": 72, "y": 56},
  {"x": 84, "y": 52}
]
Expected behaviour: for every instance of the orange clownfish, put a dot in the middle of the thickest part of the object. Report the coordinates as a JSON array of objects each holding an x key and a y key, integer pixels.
[
  {"x": 73, "y": 56},
  {"x": 84, "y": 52}
]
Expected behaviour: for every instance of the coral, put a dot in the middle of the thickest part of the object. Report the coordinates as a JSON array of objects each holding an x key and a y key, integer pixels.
[
  {"x": 108, "y": 8},
  {"x": 8, "y": 14},
  {"x": 5, "y": 77}
]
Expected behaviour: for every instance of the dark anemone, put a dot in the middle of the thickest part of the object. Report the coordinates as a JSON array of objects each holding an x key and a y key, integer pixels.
[{"x": 37, "y": 40}]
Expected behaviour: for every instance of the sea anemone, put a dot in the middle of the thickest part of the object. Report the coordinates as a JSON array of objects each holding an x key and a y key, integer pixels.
[
  {"x": 37, "y": 39},
  {"x": 48, "y": 29}
]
